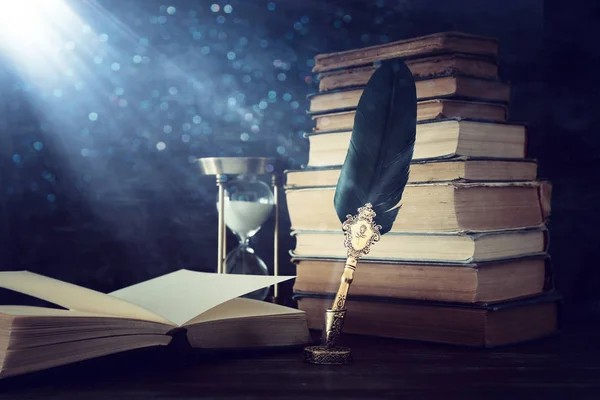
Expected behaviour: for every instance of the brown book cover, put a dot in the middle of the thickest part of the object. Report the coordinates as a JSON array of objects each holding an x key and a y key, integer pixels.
[
  {"x": 437, "y": 207},
  {"x": 455, "y": 248},
  {"x": 475, "y": 282},
  {"x": 440, "y": 139},
  {"x": 460, "y": 169},
  {"x": 437, "y": 43},
  {"x": 427, "y": 110},
  {"x": 475, "y": 325},
  {"x": 421, "y": 68},
  {"x": 456, "y": 87}
]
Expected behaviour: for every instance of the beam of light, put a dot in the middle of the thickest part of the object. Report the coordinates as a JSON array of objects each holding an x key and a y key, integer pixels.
[
  {"x": 102, "y": 87},
  {"x": 51, "y": 48},
  {"x": 32, "y": 35},
  {"x": 127, "y": 98}
]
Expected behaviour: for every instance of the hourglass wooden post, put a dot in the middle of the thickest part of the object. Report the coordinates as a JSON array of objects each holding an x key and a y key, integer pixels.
[
  {"x": 276, "y": 239},
  {"x": 222, "y": 238}
]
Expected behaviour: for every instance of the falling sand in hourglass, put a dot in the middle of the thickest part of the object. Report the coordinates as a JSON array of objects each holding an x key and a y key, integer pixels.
[{"x": 248, "y": 204}]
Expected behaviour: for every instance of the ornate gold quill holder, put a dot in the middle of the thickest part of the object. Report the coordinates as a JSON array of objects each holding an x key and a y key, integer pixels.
[
  {"x": 375, "y": 171},
  {"x": 361, "y": 232}
]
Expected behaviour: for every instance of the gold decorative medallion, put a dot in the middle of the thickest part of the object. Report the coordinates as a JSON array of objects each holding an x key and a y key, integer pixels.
[{"x": 361, "y": 232}]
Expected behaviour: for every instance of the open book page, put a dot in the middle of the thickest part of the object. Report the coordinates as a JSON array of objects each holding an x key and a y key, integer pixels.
[
  {"x": 183, "y": 295},
  {"x": 74, "y": 297},
  {"x": 243, "y": 308}
]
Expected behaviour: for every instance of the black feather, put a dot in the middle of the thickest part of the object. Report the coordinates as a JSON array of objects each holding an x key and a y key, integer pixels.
[{"x": 378, "y": 160}]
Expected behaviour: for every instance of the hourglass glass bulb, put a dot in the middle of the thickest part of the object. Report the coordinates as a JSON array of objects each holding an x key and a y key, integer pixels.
[
  {"x": 248, "y": 204},
  {"x": 244, "y": 217}
]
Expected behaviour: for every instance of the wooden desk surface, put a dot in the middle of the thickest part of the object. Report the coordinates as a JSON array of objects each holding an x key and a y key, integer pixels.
[{"x": 567, "y": 366}]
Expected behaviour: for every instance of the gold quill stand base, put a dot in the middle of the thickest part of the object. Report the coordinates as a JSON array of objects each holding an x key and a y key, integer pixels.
[
  {"x": 360, "y": 233},
  {"x": 328, "y": 355}
]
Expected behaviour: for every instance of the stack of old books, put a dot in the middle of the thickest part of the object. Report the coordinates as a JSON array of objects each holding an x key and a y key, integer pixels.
[{"x": 466, "y": 260}]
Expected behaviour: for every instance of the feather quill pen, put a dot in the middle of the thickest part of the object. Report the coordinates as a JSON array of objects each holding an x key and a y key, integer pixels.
[
  {"x": 377, "y": 163},
  {"x": 374, "y": 172}
]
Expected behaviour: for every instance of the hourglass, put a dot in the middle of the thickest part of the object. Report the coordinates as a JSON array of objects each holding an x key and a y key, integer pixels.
[{"x": 244, "y": 204}]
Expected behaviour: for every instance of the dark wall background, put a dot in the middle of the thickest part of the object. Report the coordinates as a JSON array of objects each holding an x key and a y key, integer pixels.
[
  {"x": 97, "y": 184},
  {"x": 568, "y": 148}
]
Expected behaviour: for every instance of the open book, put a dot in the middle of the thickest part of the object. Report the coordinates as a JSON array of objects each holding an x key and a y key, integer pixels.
[{"x": 95, "y": 324}]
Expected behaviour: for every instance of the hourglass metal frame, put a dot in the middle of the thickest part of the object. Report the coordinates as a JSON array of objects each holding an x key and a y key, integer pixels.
[{"x": 221, "y": 167}]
